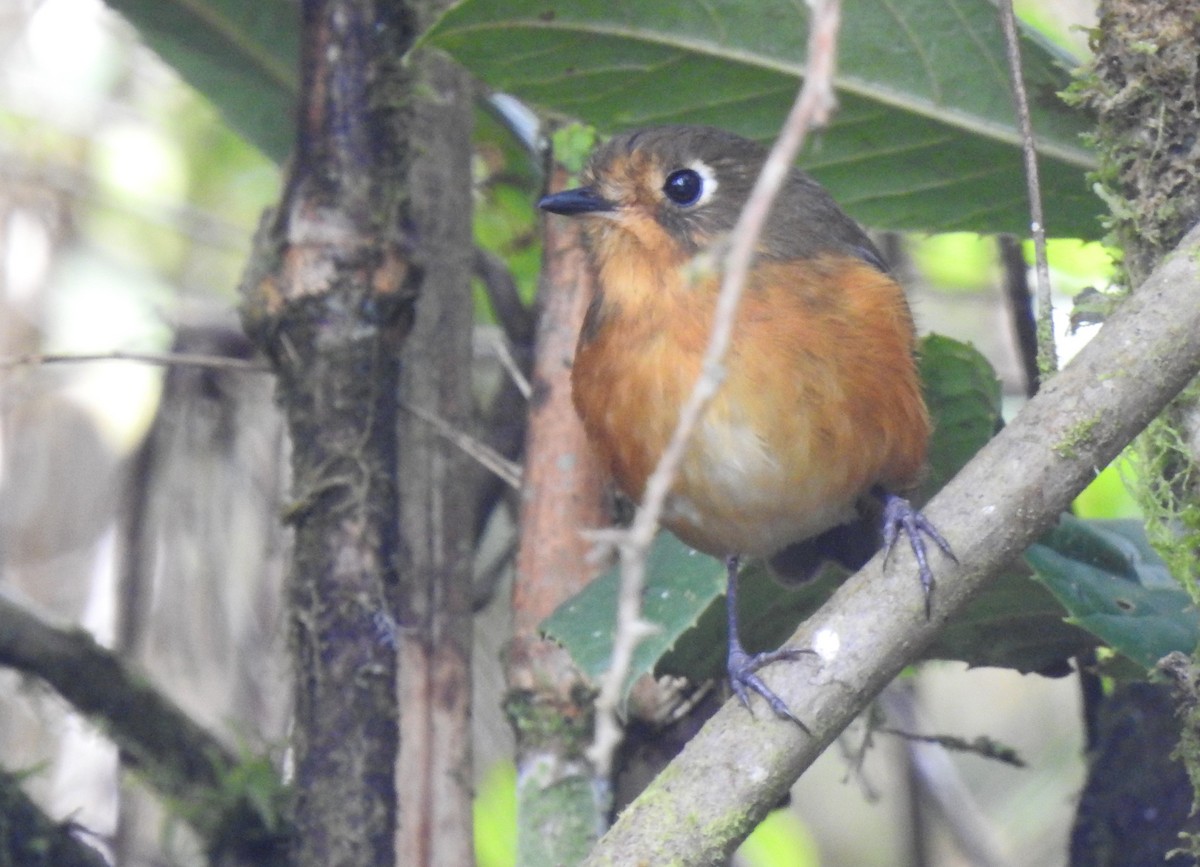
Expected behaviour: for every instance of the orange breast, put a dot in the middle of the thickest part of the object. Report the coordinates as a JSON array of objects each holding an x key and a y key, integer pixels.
[{"x": 820, "y": 400}]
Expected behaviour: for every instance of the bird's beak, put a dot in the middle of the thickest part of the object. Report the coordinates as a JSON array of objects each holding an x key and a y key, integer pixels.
[{"x": 581, "y": 200}]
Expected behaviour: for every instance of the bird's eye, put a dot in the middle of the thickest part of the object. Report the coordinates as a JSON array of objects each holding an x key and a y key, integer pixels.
[{"x": 684, "y": 187}]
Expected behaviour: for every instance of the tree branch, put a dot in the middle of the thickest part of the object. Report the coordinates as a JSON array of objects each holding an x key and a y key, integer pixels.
[
  {"x": 29, "y": 836},
  {"x": 176, "y": 757},
  {"x": 328, "y": 297},
  {"x": 736, "y": 769}
]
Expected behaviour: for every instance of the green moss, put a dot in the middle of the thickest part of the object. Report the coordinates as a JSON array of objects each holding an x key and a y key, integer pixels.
[
  {"x": 1079, "y": 435},
  {"x": 1143, "y": 89},
  {"x": 1186, "y": 678},
  {"x": 540, "y": 722},
  {"x": 1169, "y": 489},
  {"x": 1188, "y": 752}
]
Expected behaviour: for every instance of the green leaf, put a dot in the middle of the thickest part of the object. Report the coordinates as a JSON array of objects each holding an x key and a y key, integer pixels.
[
  {"x": 963, "y": 395},
  {"x": 1113, "y": 584},
  {"x": 924, "y": 137},
  {"x": 681, "y": 583},
  {"x": 243, "y": 56},
  {"x": 768, "y": 614},
  {"x": 1015, "y": 623}
]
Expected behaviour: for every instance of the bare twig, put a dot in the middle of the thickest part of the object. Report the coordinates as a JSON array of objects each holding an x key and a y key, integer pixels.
[
  {"x": 1047, "y": 354},
  {"x": 939, "y": 780},
  {"x": 504, "y": 355},
  {"x": 483, "y": 454},
  {"x": 811, "y": 108},
  {"x": 163, "y": 359}
]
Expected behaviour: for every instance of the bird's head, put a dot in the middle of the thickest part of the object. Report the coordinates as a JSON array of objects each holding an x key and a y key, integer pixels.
[
  {"x": 687, "y": 183},
  {"x": 680, "y": 189}
]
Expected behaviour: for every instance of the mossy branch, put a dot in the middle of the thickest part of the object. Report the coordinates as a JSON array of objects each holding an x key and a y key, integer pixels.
[
  {"x": 29, "y": 836},
  {"x": 175, "y": 756}
]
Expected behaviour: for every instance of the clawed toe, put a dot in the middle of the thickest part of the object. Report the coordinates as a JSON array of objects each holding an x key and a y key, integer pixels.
[
  {"x": 899, "y": 516},
  {"x": 743, "y": 678}
]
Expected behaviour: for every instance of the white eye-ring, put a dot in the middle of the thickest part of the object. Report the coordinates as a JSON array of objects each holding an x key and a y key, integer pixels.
[
  {"x": 692, "y": 186},
  {"x": 709, "y": 188}
]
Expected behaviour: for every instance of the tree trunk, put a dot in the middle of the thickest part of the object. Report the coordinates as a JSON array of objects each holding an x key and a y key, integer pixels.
[
  {"x": 434, "y": 779},
  {"x": 329, "y": 299}
]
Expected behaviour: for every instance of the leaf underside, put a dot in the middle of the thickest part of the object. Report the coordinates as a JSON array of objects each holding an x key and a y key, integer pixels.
[{"x": 924, "y": 137}]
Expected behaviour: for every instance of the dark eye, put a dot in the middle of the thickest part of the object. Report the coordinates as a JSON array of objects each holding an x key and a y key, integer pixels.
[{"x": 684, "y": 187}]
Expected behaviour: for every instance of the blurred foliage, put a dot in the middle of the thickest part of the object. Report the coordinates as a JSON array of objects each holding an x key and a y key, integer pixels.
[
  {"x": 780, "y": 840},
  {"x": 1108, "y": 495},
  {"x": 957, "y": 261},
  {"x": 495, "y": 814},
  {"x": 505, "y": 179},
  {"x": 136, "y": 204}
]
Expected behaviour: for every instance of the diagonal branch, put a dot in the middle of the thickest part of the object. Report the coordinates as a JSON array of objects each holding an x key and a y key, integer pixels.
[
  {"x": 179, "y": 759},
  {"x": 29, "y": 836},
  {"x": 738, "y": 767}
]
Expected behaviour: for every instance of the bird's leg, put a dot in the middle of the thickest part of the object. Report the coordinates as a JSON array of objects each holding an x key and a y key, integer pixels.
[
  {"x": 899, "y": 515},
  {"x": 742, "y": 665}
]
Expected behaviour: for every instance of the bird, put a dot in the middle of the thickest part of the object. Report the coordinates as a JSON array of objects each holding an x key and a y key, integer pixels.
[{"x": 819, "y": 411}]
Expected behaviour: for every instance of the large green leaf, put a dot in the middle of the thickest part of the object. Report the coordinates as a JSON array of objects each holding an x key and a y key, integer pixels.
[
  {"x": 681, "y": 584},
  {"x": 243, "y": 56},
  {"x": 924, "y": 137},
  {"x": 1106, "y": 574}
]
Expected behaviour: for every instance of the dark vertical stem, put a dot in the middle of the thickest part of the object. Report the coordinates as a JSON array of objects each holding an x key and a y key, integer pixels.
[
  {"x": 1047, "y": 354},
  {"x": 1019, "y": 301}
]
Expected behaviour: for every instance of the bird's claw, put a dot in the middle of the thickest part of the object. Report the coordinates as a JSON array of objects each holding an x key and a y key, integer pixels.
[
  {"x": 899, "y": 515},
  {"x": 742, "y": 668}
]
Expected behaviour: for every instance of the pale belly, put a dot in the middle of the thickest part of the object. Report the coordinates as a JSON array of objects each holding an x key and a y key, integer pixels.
[{"x": 735, "y": 494}]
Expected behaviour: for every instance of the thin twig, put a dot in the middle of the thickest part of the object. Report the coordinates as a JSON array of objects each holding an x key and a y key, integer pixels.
[
  {"x": 811, "y": 108},
  {"x": 1047, "y": 354},
  {"x": 163, "y": 359},
  {"x": 939, "y": 780},
  {"x": 507, "y": 471},
  {"x": 504, "y": 355}
]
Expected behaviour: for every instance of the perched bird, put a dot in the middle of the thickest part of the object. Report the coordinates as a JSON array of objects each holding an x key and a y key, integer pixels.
[{"x": 820, "y": 407}]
